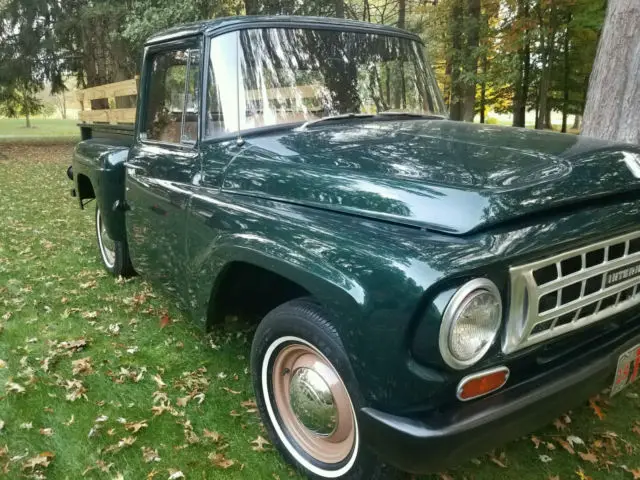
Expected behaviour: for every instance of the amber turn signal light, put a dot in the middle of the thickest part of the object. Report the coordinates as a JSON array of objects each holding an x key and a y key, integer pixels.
[{"x": 482, "y": 383}]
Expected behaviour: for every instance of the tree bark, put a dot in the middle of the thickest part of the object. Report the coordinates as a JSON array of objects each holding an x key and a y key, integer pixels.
[
  {"x": 576, "y": 122},
  {"x": 521, "y": 93},
  {"x": 402, "y": 13},
  {"x": 28, "y": 120},
  {"x": 613, "y": 99},
  {"x": 565, "y": 102},
  {"x": 471, "y": 58},
  {"x": 483, "y": 87},
  {"x": 455, "y": 30}
]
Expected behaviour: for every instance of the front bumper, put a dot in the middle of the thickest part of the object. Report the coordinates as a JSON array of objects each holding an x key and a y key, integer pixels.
[{"x": 446, "y": 438}]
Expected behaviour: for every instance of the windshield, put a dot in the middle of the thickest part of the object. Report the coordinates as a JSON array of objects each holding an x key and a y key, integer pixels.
[{"x": 289, "y": 75}]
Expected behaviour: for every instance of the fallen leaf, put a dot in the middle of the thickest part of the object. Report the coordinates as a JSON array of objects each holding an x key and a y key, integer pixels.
[
  {"x": 175, "y": 474},
  {"x": 26, "y": 426},
  {"x": 164, "y": 320},
  {"x": 13, "y": 387},
  {"x": 41, "y": 460},
  {"x": 559, "y": 424},
  {"x": 125, "y": 442},
  {"x": 566, "y": 445},
  {"x": 150, "y": 455},
  {"x": 215, "y": 437},
  {"x": 536, "y": 441},
  {"x": 3, "y": 364},
  {"x": 82, "y": 366},
  {"x": 582, "y": 475},
  {"x": 235, "y": 392},
  {"x": 596, "y": 409},
  {"x": 159, "y": 381},
  {"x": 134, "y": 427},
  {"x": 259, "y": 444},
  {"x": 573, "y": 440},
  {"x": 47, "y": 432},
  {"x": 545, "y": 458},
  {"x": 499, "y": 462},
  {"x": 219, "y": 460},
  {"x": 588, "y": 457},
  {"x": 70, "y": 421},
  {"x": 633, "y": 471}
]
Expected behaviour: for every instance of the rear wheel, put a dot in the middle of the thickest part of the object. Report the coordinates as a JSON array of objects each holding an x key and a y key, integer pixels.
[
  {"x": 307, "y": 394},
  {"x": 113, "y": 253}
]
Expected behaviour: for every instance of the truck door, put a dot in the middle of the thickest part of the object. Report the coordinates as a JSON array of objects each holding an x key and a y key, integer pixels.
[{"x": 164, "y": 162}]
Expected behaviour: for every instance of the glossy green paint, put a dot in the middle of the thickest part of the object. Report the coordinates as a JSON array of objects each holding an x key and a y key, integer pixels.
[
  {"x": 101, "y": 162},
  {"x": 379, "y": 220}
]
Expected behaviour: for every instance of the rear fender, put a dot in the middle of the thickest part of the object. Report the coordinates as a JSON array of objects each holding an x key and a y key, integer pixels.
[{"x": 103, "y": 165}]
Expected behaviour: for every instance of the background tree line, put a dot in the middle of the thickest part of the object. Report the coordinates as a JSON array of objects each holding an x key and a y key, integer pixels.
[{"x": 507, "y": 56}]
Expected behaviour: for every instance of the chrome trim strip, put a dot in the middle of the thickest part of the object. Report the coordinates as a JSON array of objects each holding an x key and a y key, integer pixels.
[
  {"x": 458, "y": 300},
  {"x": 484, "y": 373},
  {"x": 524, "y": 315}
]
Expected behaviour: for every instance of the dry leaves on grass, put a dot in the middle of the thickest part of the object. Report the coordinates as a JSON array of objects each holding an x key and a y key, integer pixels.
[
  {"x": 76, "y": 390},
  {"x": 633, "y": 471},
  {"x": 220, "y": 461},
  {"x": 82, "y": 366},
  {"x": 12, "y": 387},
  {"x": 123, "y": 443},
  {"x": 150, "y": 455},
  {"x": 258, "y": 444},
  {"x": 134, "y": 427},
  {"x": 215, "y": 437},
  {"x": 42, "y": 460},
  {"x": 596, "y": 408}
]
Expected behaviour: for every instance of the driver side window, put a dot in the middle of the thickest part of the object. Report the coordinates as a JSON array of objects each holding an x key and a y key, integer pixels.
[{"x": 172, "y": 97}]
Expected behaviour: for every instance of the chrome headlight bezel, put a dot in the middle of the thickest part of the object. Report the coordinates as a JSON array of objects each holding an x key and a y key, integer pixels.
[{"x": 456, "y": 306}]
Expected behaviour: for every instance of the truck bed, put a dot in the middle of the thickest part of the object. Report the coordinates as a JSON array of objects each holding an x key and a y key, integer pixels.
[{"x": 122, "y": 134}]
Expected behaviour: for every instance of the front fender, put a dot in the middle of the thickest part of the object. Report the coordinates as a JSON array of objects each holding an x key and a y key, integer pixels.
[{"x": 371, "y": 276}]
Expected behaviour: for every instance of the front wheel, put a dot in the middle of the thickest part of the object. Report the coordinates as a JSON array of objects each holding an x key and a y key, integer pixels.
[
  {"x": 307, "y": 394},
  {"x": 113, "y": 253}
]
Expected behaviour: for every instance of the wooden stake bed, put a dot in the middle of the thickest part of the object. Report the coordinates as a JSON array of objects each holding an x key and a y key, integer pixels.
[{"x": 110, "y": 92}]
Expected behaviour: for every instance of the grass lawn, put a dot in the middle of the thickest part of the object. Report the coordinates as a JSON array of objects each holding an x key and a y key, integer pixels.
[
  {"x": 106, "y": 379},
  {"x": 41, "y": 129}
]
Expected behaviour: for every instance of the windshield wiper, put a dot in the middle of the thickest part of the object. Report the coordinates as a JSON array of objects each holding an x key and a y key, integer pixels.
[
  {"x": 344, "y": 116},
  {"x": 429, "y": 116}
]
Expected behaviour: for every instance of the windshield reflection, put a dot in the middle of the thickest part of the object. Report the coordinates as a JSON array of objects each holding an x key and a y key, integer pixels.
[{"x": 291, "y": 75}]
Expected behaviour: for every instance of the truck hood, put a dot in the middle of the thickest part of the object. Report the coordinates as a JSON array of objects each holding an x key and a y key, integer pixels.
[{"x": 437, "y": 174}]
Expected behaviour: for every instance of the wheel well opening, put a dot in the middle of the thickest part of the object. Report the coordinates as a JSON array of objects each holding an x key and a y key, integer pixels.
[
  {"x": 85, "y": 188},
  {"x": 249, "y": 292}
]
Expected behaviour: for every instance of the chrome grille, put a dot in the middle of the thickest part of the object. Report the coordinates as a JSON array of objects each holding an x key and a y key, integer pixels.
[{"x": 565, "y": 292}]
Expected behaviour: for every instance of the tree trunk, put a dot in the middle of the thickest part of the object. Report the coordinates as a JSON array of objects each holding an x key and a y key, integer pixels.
[
  {"x": 576, "y": 122},
  {"x": 251, "y": 7},
  {"x": 565, "y": 102},
  {"x": 471, "y": 58},
  {"x": 483, "y": 87},
  {"x": 455, "y": 28},
  {"x": 402, "y": 13},
  {"x": 613, "y": 99},
  {"x": 543, "y": 120},
  {"x": 28, "y": 123},
  {"x": 340, "y": 8},
  {"x": 521, "y": 93}
]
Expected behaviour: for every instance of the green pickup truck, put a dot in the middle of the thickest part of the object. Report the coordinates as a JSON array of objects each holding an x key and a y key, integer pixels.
[{"x": 425, "y": 289}]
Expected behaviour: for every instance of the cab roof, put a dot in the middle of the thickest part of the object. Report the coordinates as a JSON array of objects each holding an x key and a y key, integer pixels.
[{"x": 225, "y": 24}]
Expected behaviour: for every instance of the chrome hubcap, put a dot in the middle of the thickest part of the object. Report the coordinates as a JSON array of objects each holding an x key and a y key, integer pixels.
[
  {"x": 107, "y": 245},
  {"x": 312, "y": 402}
]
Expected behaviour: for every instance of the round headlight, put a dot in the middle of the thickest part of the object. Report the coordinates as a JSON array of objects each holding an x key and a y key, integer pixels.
[{"x": 470, "y": 323}]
